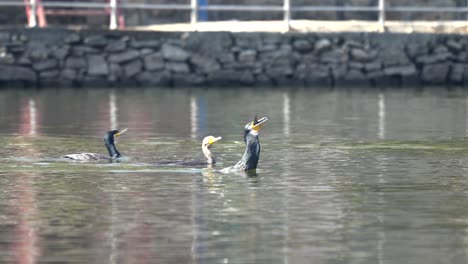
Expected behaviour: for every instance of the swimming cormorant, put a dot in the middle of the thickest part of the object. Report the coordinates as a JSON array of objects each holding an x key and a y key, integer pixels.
[
  {"x": 252, "y": 147},
  {"x": 108, "y": 142},
  {"x": 206, "y": 145}
]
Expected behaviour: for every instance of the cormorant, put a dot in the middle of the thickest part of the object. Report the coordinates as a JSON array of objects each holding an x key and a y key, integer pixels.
[
  {"x": 252, "y": 147},
  {"x": 206, "y": 145},
  {"x": 108, "y": 142}
]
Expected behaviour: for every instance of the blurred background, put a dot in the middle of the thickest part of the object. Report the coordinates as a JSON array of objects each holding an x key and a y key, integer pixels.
[{"x": 96, "y": 14}]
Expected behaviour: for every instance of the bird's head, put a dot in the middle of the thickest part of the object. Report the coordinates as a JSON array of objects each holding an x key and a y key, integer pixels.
[
  {"x": 254, "y": 126},
  {"x": 110, "y": 135},
  {"x": 209, "y": 140}
]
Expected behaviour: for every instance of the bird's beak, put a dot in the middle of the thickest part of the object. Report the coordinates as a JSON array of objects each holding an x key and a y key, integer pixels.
[
  {"x": 213, "y": 140},
  {"x": 257, "y": 124},
  {"x": 120, "y": 132}
]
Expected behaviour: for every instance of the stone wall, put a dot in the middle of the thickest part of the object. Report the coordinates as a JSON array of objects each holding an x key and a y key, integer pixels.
[{"x": 35, "y": 57}]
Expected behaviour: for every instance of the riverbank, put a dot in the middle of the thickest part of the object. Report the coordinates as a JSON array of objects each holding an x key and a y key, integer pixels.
[{"x": 45, "y": 57}]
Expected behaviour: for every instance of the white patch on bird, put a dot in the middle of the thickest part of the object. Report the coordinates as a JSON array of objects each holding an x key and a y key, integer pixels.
[{"x": 253, "y": 132}]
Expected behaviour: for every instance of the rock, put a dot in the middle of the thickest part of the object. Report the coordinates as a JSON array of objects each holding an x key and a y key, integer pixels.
[
  {"x": 15, "y": 47},
  {"x": 434, "y": 58},
  {"x": 96, "y": 41},
  {"x": 45, "y": 65},
  {"x": 414, "y": 49},
  {"x": 139, "y": 44},
  {"x": 351, "y": 43},
  {"x": 24, "y": 61},
  {"x": 267, "y": 47},
  {"x": 132, "y": 68},
  {"x": 97, "y": 65},
  {"x": 230, "y": 77},
  {"x": 49, "y": 74},
  {"x": 145, "y": 51},
  {"x": 116, "y": 46},
  {"x": 174, "y": 53},
  {"x": 404, "y": 70},
  {"x": 96, "y": 81},
  {"x": 7, "y": 58},
  {"x": 457, "y": 73},
  {"x": 80, "y": 50},
  {"x": 322, "y": 45},
  {"x": 204, "y": 64},
  {"x": 276, "y": 56},
  {"x": 376, "y": 75},
  {"x": 227, "y": 58},
  {"x": 187, "y": 79},
  {"x": 263, "y": 80},
  {"x": 17, "y": 73},
  {"x": 279, "y": 71},
  {"x": 75, "y": 63},
  {"x": 38, "y": 53},
  {"x": 355, "y": 76},
  {"x": 72, "y": 39},
  {"x": 302, "y": 45},
  {"x": 435, "y": 73},
  {"x": 179, "y": 67},
  {"x": 124, "y": 56},
  {"x": 115, "y": 72},
  {"x": 219, "y": 43},
  {"x": 461, "y": 57},
  {"x": 247, "y": 40},
  {"x": 61, "y": 52},
  {"x": 315, "y": 73},
  {"x": 454, "y": 45},
  {"x": 373, "y": 66},
  {"x": 440, "y": 49},
  {"x": 4, "y": 37},
  {"x": 363, "y": 55},
  {"x": 356, "y": 65},
  {"x": 68, "y": 74},
  {"x": 394, "y": 58},
  {"x": 247, "y": 56},
  {"x": 338, "y": 71},
  {"x": 336, "y": 56},
  {"x": 153, "y": 62},
  {"x": 154, "y": 78}
]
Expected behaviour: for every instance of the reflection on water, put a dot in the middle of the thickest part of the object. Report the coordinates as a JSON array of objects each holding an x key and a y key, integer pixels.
[
  {"x": 381, "y": 116},
  {"x": 345, "y": 176}
]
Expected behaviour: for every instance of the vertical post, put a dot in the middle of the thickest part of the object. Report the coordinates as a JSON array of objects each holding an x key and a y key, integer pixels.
[
  {"x": 382, "y": 15},
  {"x": 194, "y": 11},
  {"x": 33, "y": 12},
  {"x": 113, "y": 14},
  {"x": 287, "y": 13},
  {"x": 203, "y": 12}
]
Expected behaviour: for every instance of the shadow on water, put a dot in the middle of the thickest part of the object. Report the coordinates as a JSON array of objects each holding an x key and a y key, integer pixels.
[{"x": 344, "y": 176}]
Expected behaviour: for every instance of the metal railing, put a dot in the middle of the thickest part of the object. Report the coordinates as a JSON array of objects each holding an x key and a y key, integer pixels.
[{"x": 113, "y": 5}]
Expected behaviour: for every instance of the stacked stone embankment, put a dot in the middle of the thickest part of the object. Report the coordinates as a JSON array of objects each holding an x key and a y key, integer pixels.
[{"x": 113, "y": 58}]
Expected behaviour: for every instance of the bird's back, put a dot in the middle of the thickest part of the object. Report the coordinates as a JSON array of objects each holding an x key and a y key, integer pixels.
[{"x": 86, "y": 157}]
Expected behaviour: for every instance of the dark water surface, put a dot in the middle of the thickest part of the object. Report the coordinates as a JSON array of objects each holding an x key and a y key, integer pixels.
[{"x": 345, "y": 176}]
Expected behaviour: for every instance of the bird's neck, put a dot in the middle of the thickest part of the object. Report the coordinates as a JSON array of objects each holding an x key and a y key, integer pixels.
[
  {"x": 251, "y": 155},
  {"x": 209, "y": 156},
  {"x": 113, "y": 152}
]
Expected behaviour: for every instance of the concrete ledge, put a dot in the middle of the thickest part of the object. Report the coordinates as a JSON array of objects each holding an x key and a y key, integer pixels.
[{"x": 43, "y": 57}]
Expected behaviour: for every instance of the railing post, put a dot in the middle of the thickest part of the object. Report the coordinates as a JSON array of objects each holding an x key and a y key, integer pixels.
[
  {"x": 113, "y": 14},
  {"x": 33, "y": 18},
  {"x": 382, "y": 15},
  {"x": 287, "y": 13},
  {"x": 194, "y": 11}
]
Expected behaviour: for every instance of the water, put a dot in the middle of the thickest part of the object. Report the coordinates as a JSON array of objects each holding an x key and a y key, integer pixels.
[{"x": 345, "y": 176}]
